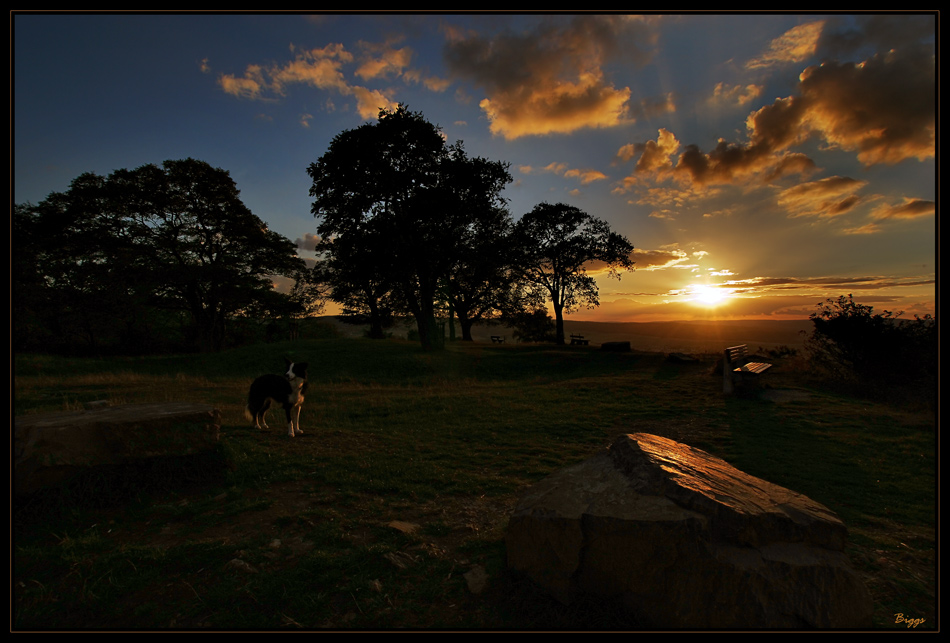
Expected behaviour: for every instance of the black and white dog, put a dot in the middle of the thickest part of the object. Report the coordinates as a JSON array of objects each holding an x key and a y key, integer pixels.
[{"x": 286, "y": 390}]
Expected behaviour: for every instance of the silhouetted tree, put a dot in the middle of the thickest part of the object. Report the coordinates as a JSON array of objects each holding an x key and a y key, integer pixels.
[
  {"x": 175, "y": 237},
  {"x": 364, "y": 288},
  {"x": 557, "y": 243},
  {"x": 396, "y": 179},
  {"x": 484, "y": 280}
]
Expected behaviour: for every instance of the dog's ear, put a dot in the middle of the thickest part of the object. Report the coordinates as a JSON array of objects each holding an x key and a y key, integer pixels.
[{"x": 287, "y": 361}]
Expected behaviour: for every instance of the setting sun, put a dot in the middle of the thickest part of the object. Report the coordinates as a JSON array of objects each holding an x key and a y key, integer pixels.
[{"x": 708, "y": 295}]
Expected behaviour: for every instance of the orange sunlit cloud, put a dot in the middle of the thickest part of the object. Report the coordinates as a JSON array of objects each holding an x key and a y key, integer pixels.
[
  {"x": 850, "y": 106},
  {"x": 735, "y": 95},
  {"x": 320, "y": 68},
  {"x": 794, "y": 45},
  {"x": 584, "y": 175},
  {"x": 909, "y": 209},
  {"x": 828, "y": 197},
  {"x": 383, "y": 60},
  {"x": 551, "y": 79}
]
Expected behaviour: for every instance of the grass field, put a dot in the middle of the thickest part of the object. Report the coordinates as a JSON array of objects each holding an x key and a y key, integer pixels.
[{"x": 390, "y": 511}]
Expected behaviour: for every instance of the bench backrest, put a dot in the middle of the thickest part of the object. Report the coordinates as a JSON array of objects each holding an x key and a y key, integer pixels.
[{"x": 737, "y": 354}]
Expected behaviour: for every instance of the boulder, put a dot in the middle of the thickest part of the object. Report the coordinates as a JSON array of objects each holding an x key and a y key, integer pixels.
[
  {"x": 51, "y": 447},
  {"x": 685, "y": 540}
]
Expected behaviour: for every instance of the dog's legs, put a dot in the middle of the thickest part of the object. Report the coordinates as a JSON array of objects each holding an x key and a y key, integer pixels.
[
  {"x": 297, "y": 421},
  {"x": 255, "y": 417},
  {"x": 288, "y": 410},
  {"x": 262, "y": 414}
]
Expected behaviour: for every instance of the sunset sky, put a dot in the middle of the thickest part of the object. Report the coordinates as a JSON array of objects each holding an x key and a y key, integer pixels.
[{"x": 776, "y": 159}]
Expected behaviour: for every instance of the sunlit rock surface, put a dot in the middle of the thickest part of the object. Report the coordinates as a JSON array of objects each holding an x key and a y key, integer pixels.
[
  {"x": 50, "y": 447},
  {"x": 686, "y": 541}
]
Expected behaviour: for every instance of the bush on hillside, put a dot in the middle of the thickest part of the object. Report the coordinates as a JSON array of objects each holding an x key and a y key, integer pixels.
[
  {"x": 852, "y": 343},
  {"x": 532, "y": 326}
]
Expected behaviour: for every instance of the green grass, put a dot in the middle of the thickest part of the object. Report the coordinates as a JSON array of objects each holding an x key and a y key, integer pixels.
[{"x": 446, "y": 441}]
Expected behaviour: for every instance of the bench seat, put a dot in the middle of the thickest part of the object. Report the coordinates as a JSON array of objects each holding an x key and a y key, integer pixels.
[{"x": 736, "y": 365}]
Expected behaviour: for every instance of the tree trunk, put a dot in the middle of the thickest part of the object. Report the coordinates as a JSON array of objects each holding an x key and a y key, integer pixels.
[
  {"x": 466, "y": 325},
  {"x": 559, "y": 323}
]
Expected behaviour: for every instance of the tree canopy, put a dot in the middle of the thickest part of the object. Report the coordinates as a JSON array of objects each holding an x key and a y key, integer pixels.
[
  {"x": 557, "y": 244},
  {"x": 397, "y": 196},
  {"x": 106, "y": 256}
]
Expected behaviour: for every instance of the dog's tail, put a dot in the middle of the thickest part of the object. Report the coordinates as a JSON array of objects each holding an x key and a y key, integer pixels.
[{"x": 247, "y": 412}]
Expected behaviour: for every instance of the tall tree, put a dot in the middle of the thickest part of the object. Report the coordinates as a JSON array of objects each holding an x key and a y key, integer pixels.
[
  {"x": 175, "y": 237},
  {"x": 558, "y": 242},
  {"x": 216, "y": 255},
  {"x": 396, "y": 179},
  {"x": 363, "y": 288},
  {"x": 484, "y": 280}
]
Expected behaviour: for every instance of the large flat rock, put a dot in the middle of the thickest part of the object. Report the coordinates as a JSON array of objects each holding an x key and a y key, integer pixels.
[
  {"x": 686, "y": 541},
  {"x": 50, "y": 447}
]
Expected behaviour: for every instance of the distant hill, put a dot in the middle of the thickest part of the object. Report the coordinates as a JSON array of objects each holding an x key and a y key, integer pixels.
[
  {"x": 666, "y": 337},
  {"x": 696, "y": 336}
]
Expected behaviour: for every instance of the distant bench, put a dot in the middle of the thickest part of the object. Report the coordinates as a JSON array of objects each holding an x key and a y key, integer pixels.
[
  {"x": 497, "y": 339},
  {"x": 578, "y": 340},
  {"x": 736, "y": 367}
]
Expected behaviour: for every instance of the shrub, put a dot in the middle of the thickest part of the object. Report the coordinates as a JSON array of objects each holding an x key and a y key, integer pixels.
[
  {"x": 532, "y": 326},
  {"x": 850, "y": 342}
]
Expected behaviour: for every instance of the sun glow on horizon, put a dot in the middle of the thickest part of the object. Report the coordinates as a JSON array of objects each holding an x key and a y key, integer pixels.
[{"x": 709, "y": 295}]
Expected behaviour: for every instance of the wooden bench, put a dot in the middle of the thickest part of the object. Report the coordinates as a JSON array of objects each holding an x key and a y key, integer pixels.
[
  {"x": 497, "y": 339},
  {"x": 736, "y": 367},
  {"x": 578, "y": 340}
]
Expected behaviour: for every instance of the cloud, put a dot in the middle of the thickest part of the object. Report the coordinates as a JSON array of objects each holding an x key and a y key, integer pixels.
[
  {"x": 551, "y": 79},
  {"x": 828, "y": 197},
  {"x": 320, "y": 68},
  {"x": 383, "y": 60},
  {"x": 658, "y": 259},
  {"x": 795, "y": 45},
  {"x": 251, "y": 85},
  {"x": 846, "y": 36},
  {"x": 308, "y": 242},
  {"x": 735, "y": 95},
  {"x": 585, "y": 176},
  {"x": 909, "y": 209},
  {"x": 882, "y": 109},
  {"x": 826, "y": 284},
  {"x": 732, "y": 164},
  {"x": 869, "y": 228}
]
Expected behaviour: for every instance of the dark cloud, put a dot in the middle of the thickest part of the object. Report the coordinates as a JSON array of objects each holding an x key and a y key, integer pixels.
[
  {"x": 883, "y": 108},
  {"x": 849, "y": 36},
  {"x": 551, "y": 79}
]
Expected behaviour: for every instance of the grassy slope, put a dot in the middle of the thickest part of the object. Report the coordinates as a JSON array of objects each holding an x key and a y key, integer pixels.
[{"x": 446, "y": 442}]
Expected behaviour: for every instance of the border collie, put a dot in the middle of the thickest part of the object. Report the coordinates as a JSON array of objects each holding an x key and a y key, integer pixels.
[{"x": 287, "y": 390}]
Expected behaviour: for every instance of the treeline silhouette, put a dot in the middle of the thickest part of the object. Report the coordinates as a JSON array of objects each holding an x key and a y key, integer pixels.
[
  {"x": 160, "y": 258},
  {"x": 167, "y": 257}
]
